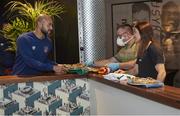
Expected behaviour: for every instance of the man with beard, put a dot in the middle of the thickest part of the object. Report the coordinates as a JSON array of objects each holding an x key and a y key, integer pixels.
[
  {"x": 33, "y": 49},
  {"x": 170, "y": 40}
]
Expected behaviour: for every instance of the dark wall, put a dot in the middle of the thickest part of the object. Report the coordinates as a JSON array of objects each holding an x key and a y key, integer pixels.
[
  {"x": 66, "y": 34},
  {"x": 2, "y": 10}
]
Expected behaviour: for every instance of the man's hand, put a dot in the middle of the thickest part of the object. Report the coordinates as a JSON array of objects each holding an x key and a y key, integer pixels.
[
  {"x": 113, "y": 66},
  {"x": 60, "y": 69}
]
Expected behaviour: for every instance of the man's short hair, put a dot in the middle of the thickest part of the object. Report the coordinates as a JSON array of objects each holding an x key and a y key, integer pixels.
[
  {"x": 41, "y": 17},
  {"x": 128, "y": 27}
]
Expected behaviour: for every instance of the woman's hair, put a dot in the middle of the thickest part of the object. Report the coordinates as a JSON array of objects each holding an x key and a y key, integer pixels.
[{"x": 147, "y": 35}]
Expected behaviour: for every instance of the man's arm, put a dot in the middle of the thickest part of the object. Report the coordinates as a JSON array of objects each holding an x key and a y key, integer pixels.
[
  {"x": 104, "y": 62},
  {"x": 51, "y": 62},
  {"x": 128, "y": 65}
]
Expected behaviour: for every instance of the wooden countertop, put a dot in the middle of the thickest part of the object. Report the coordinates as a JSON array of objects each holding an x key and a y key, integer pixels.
[
  {"x": 166, "y": 95},
  {"x": 48, "y": 77}
]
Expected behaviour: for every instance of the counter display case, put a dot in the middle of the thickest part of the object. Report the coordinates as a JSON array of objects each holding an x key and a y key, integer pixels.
[
  {"x": 54, "y": 97},
  {"x": 91, "y": 94}
]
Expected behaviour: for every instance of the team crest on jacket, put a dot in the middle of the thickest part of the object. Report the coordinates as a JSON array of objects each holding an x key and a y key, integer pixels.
[
  {"x": 33, "y": 47},
  {"x": 2, "y": 44},
  {"x": 45, "y": 49}
]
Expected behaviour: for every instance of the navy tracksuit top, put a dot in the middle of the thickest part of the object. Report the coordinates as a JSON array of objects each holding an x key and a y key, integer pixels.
[{"x": 32, "y": 55}]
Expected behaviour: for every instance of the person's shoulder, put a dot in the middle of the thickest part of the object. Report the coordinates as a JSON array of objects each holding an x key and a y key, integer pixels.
[
  {"x": 153, "y": 46},
  {"x": 25, "y": 36},
  {"x": 155, "y": 49}
]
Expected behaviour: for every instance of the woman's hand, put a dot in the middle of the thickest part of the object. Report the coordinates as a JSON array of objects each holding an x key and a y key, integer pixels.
[{"x": 120, "y": 71}]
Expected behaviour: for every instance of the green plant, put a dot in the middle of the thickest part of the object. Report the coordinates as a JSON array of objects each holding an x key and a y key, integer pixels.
[
  {"x": 12, "y": 30},
  {"x": 22, "y": 16}
]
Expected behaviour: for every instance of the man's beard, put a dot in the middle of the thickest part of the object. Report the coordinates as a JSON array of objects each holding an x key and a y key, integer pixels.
[{"x": 44, "y": 32}]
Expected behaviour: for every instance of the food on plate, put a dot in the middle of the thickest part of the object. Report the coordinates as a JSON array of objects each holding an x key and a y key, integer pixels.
[
  {"x": 139, "y": 80},
  {"x": 103, "y": 70},
  {"x": 91, "y": 69},
  {"x": 74, "y": 66},
  {"x": 78, "y": 65}
]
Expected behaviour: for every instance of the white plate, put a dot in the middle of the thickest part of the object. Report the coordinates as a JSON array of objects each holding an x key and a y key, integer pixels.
[{"x": 155, "y": 85}]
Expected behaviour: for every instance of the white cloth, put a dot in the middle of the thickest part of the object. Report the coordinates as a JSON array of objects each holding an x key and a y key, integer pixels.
[{"x": 116, "y": 77}]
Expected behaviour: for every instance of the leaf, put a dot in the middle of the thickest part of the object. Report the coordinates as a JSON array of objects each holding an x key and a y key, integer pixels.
[{"x": 23, "y": 15}]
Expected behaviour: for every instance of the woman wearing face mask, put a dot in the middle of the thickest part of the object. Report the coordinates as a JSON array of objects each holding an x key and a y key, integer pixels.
[{"x": 150, "y": 58}]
